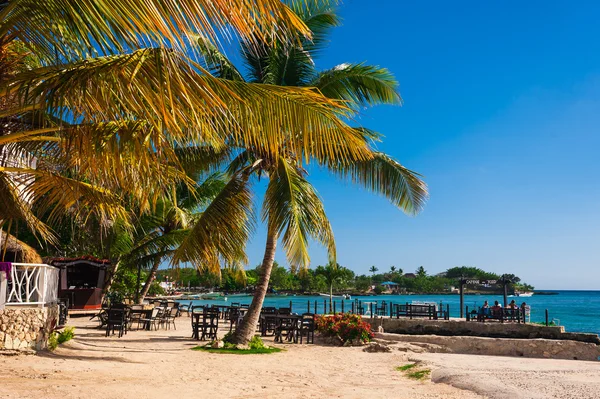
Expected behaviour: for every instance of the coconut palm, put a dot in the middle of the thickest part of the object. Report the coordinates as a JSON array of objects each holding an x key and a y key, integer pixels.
[
  {"x": 292, "y": 210},
  {"x": 373, "y": 270},
  {"x": 115, "y": 86},
  {"x": 333, "y": 273},
  {"x": 159, "y": 233}
]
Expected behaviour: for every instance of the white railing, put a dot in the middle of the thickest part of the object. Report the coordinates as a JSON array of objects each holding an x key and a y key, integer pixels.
[{"x": 32, "y": 284}]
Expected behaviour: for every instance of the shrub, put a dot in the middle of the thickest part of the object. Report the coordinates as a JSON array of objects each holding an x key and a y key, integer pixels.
[
  {"x": 256, "y": 343},
  {"x": 52, "y": 341},
  {"x": 66, "y": 335},
  {"x": 346, "y": 327}
]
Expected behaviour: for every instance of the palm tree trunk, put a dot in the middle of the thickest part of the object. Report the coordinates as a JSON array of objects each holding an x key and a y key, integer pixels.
[
  {"x": 149, "y": 281},
  {"x": 246, "y": 330},
  {"x": 331, "y": 298}
]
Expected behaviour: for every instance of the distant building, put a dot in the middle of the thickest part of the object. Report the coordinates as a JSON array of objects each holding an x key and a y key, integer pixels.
[{"x": 410, "y": 275}]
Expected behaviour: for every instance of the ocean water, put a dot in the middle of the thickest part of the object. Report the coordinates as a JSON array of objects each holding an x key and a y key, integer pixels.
[{"x": 578, "y": 311}]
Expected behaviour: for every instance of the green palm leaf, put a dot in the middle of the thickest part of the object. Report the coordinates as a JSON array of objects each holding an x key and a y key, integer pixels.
[
  {"x": 294, "y": 210},
  {"x": 359, "y": 84},
  {"x": 220, "y": 232},
  {"x": 83, "y": 28},
  {"x": 386, "y": 176}
]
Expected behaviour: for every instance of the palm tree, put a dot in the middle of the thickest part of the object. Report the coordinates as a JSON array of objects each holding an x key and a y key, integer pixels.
[
  {"x": 159, "y": 233},
  {"x": 421, "y": 272},
  {"x": 373, "y": 270},
  {"x": 292, "y": 209},
  {"x": 98, "y": 113},
  {"x": 333, "y": 273},
  {"x": 393, "y": 269}
]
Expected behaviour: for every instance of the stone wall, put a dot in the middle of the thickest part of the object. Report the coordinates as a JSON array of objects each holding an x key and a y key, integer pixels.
[
  {"x": 478, "y": 329},
  {"x": 26, "y": 328},
  {"x": 535, "y": 348}
]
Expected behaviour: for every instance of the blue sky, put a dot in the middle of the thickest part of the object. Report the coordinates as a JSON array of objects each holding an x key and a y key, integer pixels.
[{"x": 501, "y": 116}]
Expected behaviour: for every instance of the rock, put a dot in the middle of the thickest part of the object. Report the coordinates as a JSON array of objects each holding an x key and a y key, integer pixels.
[
  {"x": 8, "y": 342},
  {"x": 376, "y": 347},
  {"x": 217, "y": 344}
]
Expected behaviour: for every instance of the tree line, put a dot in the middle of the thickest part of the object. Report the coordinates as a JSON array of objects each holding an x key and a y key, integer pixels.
[{"x": 338, "y": 279}]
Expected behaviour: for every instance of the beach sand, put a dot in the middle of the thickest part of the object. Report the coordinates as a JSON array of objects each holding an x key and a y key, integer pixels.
[{"x": 161, "y": 364}]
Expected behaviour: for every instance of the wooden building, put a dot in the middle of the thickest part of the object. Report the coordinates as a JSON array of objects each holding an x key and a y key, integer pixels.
[{"x": 82, "y": 280}]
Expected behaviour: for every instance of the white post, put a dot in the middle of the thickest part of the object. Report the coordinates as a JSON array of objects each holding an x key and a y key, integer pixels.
[
  {"x": 42, "y": 289},
  {"x": 3, "y": 284}
]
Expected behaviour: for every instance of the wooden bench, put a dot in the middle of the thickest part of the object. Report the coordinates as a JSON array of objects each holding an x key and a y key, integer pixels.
[
  {"x": 410, "y": 311},
  {"x": 502, "y": 315}
]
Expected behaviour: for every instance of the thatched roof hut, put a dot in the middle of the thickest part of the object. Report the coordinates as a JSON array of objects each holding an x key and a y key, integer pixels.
[{"x": 16, "y": 250}]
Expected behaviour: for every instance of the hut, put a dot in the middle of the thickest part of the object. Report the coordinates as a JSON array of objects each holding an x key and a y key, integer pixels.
[
  {"x": 81, "y": 280},
  {"x": 16, "y": 251}
]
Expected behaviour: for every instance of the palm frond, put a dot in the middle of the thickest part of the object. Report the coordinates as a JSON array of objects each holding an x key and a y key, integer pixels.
[
  {"x": 216, "y": 62},
  {"x": 220, "y": 232},
  {"x": 78, "y": 29},
  {"x": 359, "y": 84},
  {"x": 62, "y": 195},
  {"x": 186, "y": 107},
  {"x": 14, "y": 206},
  {"x": 293, "y": 208},
  {"x": 384, "y": 175}
]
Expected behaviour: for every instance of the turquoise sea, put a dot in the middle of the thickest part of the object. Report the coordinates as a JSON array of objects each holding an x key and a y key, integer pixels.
[{"x": 578, "y": 311}]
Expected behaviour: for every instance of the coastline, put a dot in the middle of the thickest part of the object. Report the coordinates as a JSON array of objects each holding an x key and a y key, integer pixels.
[{"x": 159, "y": 364}]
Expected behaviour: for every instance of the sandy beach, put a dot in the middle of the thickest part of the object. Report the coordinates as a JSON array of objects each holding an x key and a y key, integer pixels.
[{"x": 160, "y": 364}]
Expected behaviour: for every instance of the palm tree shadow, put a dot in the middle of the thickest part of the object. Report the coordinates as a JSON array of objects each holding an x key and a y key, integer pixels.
[{"x": 73, "y": 356}]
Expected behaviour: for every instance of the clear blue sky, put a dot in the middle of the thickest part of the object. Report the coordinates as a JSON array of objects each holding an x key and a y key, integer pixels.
[{"x": 501, "y": 115}]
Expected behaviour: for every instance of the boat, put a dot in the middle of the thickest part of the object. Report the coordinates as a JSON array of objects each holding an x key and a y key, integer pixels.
[
  {"x": 345, "y": 296},
  {"x": 213, "y": 296},
  {"x": 524, "y": 294}
]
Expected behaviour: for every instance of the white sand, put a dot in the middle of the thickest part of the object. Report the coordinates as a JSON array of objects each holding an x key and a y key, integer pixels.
[{"x": 161, "y": 365}]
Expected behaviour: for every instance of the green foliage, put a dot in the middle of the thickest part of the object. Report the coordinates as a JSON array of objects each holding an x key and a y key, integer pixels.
[
  {"x": 115, "y": 297},
  {"x": 419, "y": 375},
  {"x": 378, "y": 289},
  {"x": 52, "y": 341},
  {"x": 362, "y": 283},
  {"x": 233, "y": 351},
  {"x": 256, "y": 343},
  {"x": 66, "y": 335},
  {"x": 406, "y": 367},
  {"x": 470, "y": 272},
  {"x": 335, "y": 275},
  {"x": 411, "y": 371},
  {"x": 57, "y": 338}
]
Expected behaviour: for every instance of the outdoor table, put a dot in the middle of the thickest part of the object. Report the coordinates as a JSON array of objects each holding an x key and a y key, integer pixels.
[
  {"x": 144, "y": 314},
  {"x": 288, "y": 322},
  {"x": 267, "y": 320},
  {"x": 222, "y": 310}
]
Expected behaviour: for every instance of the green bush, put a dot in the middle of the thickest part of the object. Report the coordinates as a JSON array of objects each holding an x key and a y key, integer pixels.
[
  {"x": 55, "y": 338},
  {"x": 66, "y": 335},
  {"x": 52, "y": 341},
  {"x": 256, "y": 343}
]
